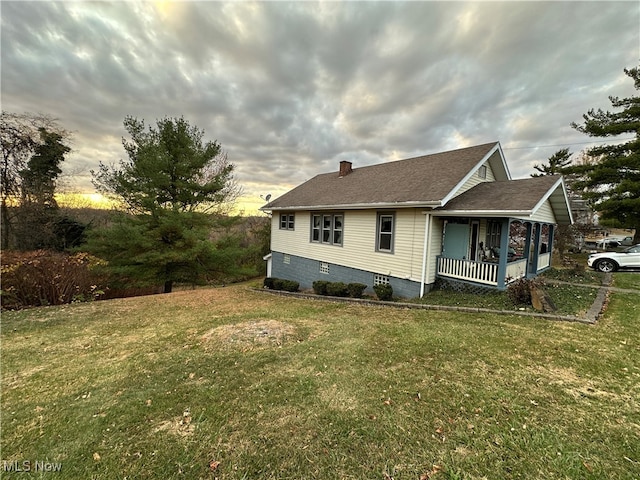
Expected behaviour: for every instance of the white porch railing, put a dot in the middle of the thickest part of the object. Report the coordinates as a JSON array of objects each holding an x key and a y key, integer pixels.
[
  {"x": 516, "y": 270},
  {"x": 479, "y": 272},
  {"x": 544, "y": 260}
]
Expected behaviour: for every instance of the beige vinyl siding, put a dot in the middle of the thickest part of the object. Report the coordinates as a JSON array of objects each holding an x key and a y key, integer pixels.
[
  {"x": 545, "y": 214},
  {"x": 475, "y": 180},
  {"x": 358, "y": 249}
]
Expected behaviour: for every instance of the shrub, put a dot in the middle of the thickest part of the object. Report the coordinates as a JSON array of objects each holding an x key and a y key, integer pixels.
[
  {"x": 45, "y": 277},
  {"x": 337, "y": 289},
  {"x": 290, "y": 286},
  {"x": 356, "y": 289},
  {"x": 578, "y": 268},
  {"x": 519, "y": 292},
  {"x": 384, "y": 292},
  {"x": 273, "y": 283},
  {"x": 320, "y": 287}
]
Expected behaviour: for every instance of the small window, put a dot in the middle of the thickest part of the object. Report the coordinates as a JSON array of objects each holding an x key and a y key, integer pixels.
[
  {"x": 324, "y": 268},
  {"x": 380, "y": 280},
  {"x": 385, "y": 232},
  {"x": 287, "y": 221},
  {"x": 482, "y": 171},
  {"x": 327, "y": 228}
]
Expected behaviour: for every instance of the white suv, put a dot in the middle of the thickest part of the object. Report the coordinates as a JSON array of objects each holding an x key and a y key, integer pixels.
[{"x": 612, "y": 261}]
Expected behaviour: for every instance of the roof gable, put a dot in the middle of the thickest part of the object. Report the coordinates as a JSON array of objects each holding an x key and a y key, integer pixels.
[
  {"x": 429, "y": 180},
  {"x": 495, "y": 160}
]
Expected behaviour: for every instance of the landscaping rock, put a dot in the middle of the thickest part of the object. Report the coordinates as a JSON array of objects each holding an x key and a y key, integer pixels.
[{"x": 541, "y": 300}]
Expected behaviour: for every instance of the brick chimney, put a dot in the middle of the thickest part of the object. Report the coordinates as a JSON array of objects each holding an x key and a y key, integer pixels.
[{"x": 345, "y": 168}]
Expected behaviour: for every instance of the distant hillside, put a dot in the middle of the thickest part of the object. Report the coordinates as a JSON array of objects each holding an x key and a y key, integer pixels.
[{"x": 96, "y": 217}]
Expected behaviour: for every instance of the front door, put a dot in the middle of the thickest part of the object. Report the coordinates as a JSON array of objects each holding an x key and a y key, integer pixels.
[{"x": 456, "y": 241}]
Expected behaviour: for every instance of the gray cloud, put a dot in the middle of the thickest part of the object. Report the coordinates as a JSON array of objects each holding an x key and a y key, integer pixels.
[{"x": 289, "y": 89}]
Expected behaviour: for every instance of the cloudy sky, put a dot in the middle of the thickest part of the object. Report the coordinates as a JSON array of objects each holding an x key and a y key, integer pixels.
[{"x": 291, "y": 88}]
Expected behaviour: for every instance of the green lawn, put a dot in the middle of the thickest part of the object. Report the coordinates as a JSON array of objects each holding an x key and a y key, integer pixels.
[
  {"x": 273, "y": 387},
  {"x": 570, "y": 300},
  {"x": 626, "y": 280}
]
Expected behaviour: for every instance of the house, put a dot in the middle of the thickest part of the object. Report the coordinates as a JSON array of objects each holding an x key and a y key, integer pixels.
[{"x": 455, "y": 215}]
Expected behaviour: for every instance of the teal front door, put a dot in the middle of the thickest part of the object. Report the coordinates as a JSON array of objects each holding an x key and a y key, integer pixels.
[{"x": 456, "y": 241}]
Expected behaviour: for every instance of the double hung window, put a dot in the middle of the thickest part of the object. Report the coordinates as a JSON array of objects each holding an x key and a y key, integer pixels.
[{"x": 385, "y": 232}]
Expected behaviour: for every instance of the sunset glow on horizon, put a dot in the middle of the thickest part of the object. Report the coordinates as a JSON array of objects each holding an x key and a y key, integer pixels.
[{"x": 245, "y": 206}]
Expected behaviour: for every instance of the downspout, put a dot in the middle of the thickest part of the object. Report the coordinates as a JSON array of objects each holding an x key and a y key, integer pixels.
[{"x": 425, "y": 252}]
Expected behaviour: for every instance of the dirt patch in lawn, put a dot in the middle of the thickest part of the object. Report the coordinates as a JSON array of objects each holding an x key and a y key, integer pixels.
[
  {"x": 578, "y": 387},
  {"x": 181, "y": 426},
  {"x": 251, "y": 334}
]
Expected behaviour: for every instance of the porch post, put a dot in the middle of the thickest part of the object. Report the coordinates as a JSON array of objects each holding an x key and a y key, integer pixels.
[
  {"x": 527, "y": 247},
  {"x": 536, "y": 248},
  {"x": 552, "y": 231},
  {"x": 504, "y": 253}
]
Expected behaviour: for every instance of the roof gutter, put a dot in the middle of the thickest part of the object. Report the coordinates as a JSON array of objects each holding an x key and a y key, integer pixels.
[
  {"x": 483, "y": 213},
  {"x": 358, "y": 206}
]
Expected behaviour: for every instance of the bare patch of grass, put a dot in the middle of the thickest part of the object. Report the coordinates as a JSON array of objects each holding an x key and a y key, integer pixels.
[{"x": 250, "y": 334}]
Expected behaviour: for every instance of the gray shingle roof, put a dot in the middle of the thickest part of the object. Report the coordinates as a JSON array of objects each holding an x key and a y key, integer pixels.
[
  {"x": 512, "y": 195},
  {"x": 422, "y": 180},
  {"x": 516, "y": 196}
]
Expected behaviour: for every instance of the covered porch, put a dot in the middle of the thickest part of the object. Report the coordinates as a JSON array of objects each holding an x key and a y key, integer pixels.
[{"x": 494, "y": 251}]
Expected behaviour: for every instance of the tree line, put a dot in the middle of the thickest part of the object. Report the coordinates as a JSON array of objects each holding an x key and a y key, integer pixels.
[{"x": 175, "y": 188}]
